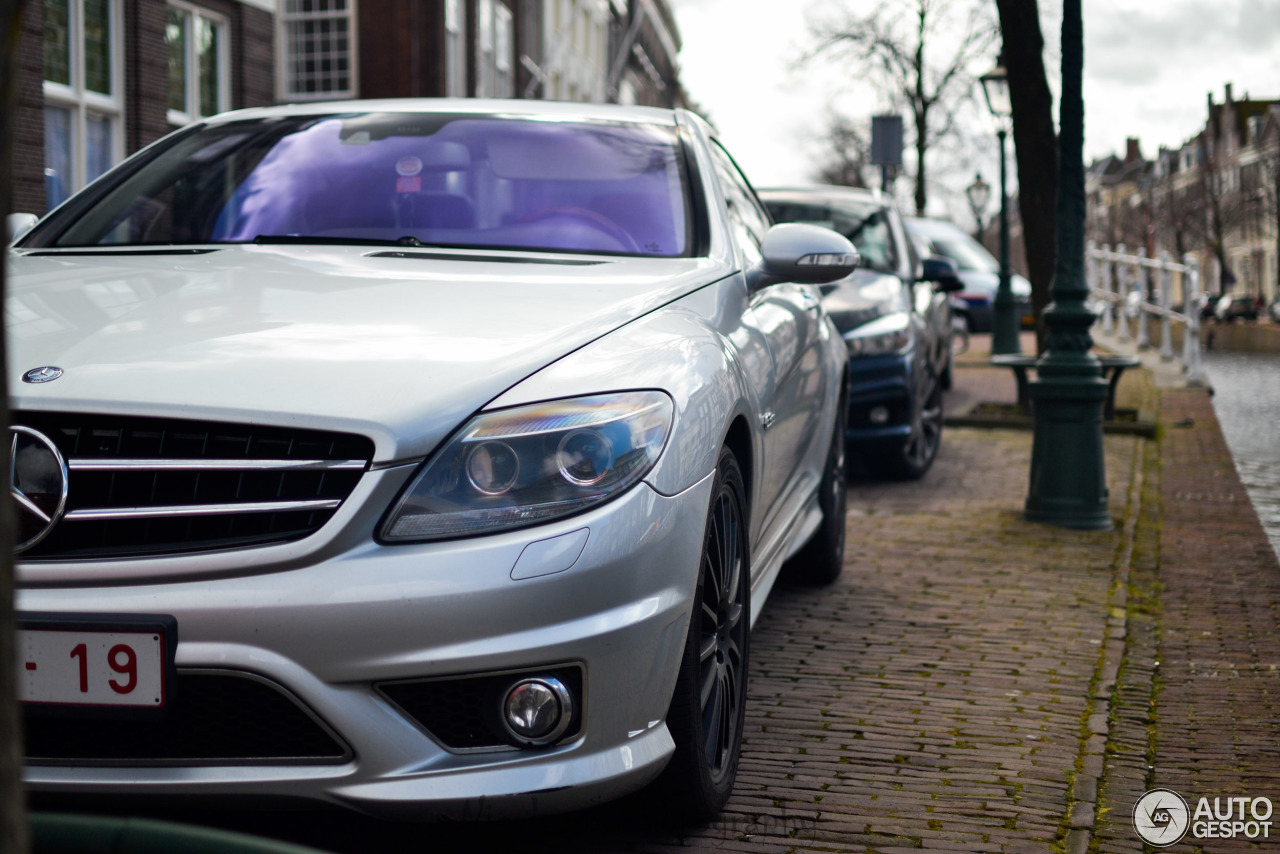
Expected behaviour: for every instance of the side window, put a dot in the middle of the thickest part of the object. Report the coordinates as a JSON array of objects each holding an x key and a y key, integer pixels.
[{"x": 748, "y": 216}]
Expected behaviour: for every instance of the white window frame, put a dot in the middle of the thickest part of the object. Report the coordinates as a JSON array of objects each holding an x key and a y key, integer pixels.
[
  {"x": 504, "y": 81},
  {"x": 285, "y": 79},
  {"x": 81, "y": 102},
  {"x": 192, "y": 113},
  {"x": 455, "y": 48},
  {"x": 484, "y": 48}
]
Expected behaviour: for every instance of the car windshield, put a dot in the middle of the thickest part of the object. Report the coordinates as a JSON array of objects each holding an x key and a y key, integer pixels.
[
  {"x": 864, "y": 223},
  {"x": 408, "y": 178},
  {"x": 967, "y": 253}
]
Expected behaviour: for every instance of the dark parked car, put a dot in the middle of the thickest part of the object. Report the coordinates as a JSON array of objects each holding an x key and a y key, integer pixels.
[
  {"x": 895, "y": 316},
  {"x": 1236, "y": 307},
  {"x": 979, "y": 271}
]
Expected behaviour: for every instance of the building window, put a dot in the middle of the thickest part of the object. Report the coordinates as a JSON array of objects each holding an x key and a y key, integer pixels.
[
  {"x": 198, "y": 63},
  {"x": 455, "y": 49},
  {"x": 504, "y": 82},
  {"x": 318, "y": 48},
  {"x": 484, "y": 49},
  {"x": 493, "y": 51},
  {"x": 82, "y": 93}
]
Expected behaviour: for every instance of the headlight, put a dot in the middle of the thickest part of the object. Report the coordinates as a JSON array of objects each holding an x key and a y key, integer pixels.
[
  {"x": 522, "y": 466},
  {"x": 882, "y": 336}
]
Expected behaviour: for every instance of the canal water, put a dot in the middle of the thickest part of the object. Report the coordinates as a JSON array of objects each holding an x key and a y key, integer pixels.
[{"x": 1246, "y": 399}]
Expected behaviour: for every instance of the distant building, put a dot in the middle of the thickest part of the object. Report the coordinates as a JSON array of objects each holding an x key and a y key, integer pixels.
[
  {"x": 1217, "y": 197},
  {"x": 99, "y": 79}
]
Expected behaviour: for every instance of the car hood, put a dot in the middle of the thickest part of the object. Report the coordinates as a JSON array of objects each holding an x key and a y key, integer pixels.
[
  {"x": 399, "y": 345},
  {"x": 985, "y": 284},
  {"x": 863, "y": 297}
]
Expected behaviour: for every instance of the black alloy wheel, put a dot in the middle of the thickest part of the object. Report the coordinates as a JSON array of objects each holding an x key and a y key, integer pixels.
[
  {"x": 707, "y": 709},
  {"x": 911, "y": 460}
]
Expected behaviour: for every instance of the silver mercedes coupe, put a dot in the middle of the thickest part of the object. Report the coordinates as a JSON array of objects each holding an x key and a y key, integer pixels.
[{"x": 420, "y": 457}]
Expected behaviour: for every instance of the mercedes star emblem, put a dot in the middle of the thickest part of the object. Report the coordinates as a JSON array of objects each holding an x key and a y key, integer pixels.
[
  {"x": 46, "y": 374},
  {"x": 38, "y": 484}
]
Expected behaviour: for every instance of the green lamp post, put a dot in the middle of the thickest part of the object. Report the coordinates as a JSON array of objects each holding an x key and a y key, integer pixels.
[
  {"x": 1004, "y": 311},
  {"x": 1068, "y": 469}
]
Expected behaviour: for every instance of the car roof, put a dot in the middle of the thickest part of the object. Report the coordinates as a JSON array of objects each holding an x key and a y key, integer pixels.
[
  {"x": 929, "y": 226},
  {"x": 828, "y": 191},
  {"x": 513, "y": 108}
]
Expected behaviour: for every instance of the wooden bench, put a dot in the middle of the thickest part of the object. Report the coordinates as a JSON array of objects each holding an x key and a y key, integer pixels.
[{"x": 1112, "y": 368}]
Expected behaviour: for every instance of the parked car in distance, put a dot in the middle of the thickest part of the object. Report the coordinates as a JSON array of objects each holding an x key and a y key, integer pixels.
[
  {"x": 895, "y": 315},
  {"x": 1273, "y": 311},
  {"x": 979, "y": 271},
  {"x": 418, "y": 457},
  {"x": 1234, "y": 307}
]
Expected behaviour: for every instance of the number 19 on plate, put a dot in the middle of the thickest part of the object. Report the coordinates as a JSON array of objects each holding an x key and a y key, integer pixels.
[{"x": 91, "y": 668}]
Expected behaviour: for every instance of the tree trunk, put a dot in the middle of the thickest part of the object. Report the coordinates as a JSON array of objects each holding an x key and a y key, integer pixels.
[
  {"x": 1035, "y": 145},
  {"x": 922, "y": 115},
  {"x": 922, "y": 148},
  {"x": 13, "y": 822}
]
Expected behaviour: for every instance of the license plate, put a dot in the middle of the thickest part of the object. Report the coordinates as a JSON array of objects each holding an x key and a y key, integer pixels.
[{"x": 118, "y": 662}]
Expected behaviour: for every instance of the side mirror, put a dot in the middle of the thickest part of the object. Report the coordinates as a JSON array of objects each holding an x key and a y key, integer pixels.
[
  {"x": 944, "y": 272},
  {"x": 18, "y": 224},
  {"x": 805, "y": 254}
]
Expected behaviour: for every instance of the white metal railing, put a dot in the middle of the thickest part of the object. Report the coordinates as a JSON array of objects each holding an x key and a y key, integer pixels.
[{"x": 1120, "y": 282}]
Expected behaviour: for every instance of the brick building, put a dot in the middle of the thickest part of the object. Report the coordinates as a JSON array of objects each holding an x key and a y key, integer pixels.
[{"x": 99, "y": 79}]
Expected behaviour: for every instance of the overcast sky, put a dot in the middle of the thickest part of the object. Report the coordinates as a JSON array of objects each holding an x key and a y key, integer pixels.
[{"x": 1149, "y": 66}]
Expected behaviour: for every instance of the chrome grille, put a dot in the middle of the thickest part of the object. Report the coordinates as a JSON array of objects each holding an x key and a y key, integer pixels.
[{"x": 142, "y": 486}]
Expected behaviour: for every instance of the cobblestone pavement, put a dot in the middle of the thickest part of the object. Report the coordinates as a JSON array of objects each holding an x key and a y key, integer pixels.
[{"x": 977, "y": 683}]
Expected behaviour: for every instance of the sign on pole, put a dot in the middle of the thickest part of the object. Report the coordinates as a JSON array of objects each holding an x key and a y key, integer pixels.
[{"x": 886, "y": 147}]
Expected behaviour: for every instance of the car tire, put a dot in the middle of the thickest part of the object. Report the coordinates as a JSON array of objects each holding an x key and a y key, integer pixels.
[
  {"x": 707, "y": 709},
  {"x": 912, "y": 459},
  {"x": 821, "y": 559},
  {"x": 947, "y": 378}
]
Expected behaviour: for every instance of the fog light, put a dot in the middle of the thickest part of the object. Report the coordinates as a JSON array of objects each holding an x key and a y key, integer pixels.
[
  {"x": 879, "y": 415},
  {"x": 537, "y": 711}
]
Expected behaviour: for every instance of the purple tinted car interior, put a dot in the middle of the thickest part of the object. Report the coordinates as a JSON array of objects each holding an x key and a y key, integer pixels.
[{"x": 438, "y": 180}]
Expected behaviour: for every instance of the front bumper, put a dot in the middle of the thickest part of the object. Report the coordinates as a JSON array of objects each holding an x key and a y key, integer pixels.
[
  {"x": 880, "y": 382},
  {"x": 330, "y": 632}
]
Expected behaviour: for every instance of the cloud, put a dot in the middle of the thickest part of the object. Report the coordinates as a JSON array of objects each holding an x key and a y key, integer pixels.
[{"x": 1259, "y": 23}]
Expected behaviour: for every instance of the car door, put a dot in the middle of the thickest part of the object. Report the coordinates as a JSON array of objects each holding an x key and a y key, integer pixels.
[{"x": 789, "y": 317}]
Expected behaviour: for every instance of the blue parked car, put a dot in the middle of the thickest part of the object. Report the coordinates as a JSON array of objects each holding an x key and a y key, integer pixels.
[{"x": 895, "y": 315}]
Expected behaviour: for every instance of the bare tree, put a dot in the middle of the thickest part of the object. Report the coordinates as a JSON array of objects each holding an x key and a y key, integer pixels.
[
  {"x": 1223, "y": 208},
  {"x": 1035, "y": 145},
  {"x": 1269, "y": 196},
  {"x": 1178, "y": 210},
  {"x": 890, "y": 48},
  {"x": 847, "y": 153},
  {"x": 13, "y": 824}
]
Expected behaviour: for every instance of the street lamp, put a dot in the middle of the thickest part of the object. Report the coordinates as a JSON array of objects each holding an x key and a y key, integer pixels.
[
  {"x": 979, "y": 193},
  {"x": 1068, "y": 469},
  {"x": 1004, "y": 327}
]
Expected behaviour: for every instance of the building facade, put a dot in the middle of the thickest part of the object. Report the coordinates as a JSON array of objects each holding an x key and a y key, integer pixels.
[
  {"x": 1217, "y": 197},
  {"x": 100, "y": 79}
]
